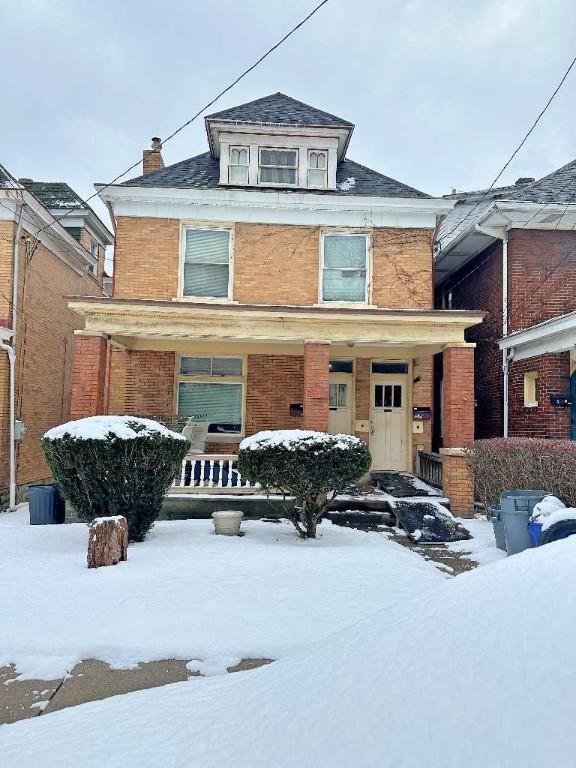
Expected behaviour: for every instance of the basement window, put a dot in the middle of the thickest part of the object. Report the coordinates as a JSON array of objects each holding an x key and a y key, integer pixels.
[{"x": 531, "y": 389}]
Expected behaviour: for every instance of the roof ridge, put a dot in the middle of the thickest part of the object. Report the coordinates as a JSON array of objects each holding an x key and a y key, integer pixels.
[
  {"x": 535, "y": 183},
  {"x": 332, "y": 116}
]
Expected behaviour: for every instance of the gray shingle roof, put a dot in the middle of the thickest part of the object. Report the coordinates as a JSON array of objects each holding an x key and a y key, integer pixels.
[
  {"x": 203, "y": 172},
  {"x": 279, "y": 108},
  {"x": 558, "y": 187},
  {"x": 54, "y": 194}
]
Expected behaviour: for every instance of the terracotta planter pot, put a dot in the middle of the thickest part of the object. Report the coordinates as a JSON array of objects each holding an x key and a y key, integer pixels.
[{"x": 227, "y": 523}]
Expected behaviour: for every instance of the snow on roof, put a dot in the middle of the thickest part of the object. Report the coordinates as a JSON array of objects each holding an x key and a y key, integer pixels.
[
  {"x": 103, "y": 427},
  {"x": 474, "y": 671},
  {"x": 296, "y": 438}
]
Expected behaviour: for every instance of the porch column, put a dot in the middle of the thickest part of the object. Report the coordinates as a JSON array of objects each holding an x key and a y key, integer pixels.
[
  {"x": 88, "y": 376},
  {"x": 457, "y": 427},
  {"x": 316, "y": 385}
]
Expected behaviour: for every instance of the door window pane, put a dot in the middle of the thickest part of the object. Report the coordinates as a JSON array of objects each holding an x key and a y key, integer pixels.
[
  {"x": 344, "y": 271},
  {"x": 378, "y": 396},
  {"x": 387, "y": 395},
  {"x": 342, "y": 395},
  {"x": 206, "y": 262},
  {"x": 397, "y": 396},
  {"x": 333, "y": 396},
  {"x": 341, "y": 366},
  {"x": 389, "y": 367}
]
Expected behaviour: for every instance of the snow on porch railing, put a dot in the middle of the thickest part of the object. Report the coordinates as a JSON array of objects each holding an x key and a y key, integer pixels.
[{"x": 211, "y": 472}]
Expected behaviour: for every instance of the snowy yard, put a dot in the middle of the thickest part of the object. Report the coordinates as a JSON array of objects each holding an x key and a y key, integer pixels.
[
  {"x": 188, "y": 594},
  {"x": 471, "y": 671}
]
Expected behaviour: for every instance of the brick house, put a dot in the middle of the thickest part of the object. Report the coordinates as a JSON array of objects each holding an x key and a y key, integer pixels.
[
  {"x": 50, "y": 261},
  {"x": 511, "y": 252},
  {"x": 273, "y": 283}
]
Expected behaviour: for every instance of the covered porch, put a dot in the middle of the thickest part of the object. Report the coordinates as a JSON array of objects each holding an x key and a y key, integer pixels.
[{"x": 243, "y": 369}]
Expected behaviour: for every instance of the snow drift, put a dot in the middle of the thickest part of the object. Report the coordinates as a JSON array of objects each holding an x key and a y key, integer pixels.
[{"x": 477, "y": 672}]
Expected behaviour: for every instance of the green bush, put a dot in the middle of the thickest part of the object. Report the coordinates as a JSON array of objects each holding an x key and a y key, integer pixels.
[
  {"x": 311, "y": 466},
  {"x": 523, "y": 463},
  {"x": 115, "y": 465}
]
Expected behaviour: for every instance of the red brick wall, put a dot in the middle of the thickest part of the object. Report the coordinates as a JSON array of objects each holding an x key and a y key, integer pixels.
[
  {"x": 479, "y": 286},
  {"x": 88, "y": 376},
  {"x": 553, "y": 379},
  {"x": 458, "y": 397},
  {"x": 316, "y": 375},
  {"x": 273, "y": 383}
]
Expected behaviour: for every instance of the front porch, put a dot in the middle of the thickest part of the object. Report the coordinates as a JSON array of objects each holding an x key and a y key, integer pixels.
[{"x": 245, "y": 369}]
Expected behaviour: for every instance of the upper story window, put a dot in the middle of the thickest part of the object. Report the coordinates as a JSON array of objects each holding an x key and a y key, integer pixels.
[
  {"x": 278, "y": 166},
  {"x": 239, "y": 165},
  {"x": 94, "y": 250},
  {"x": 317, "y": 168},
  {"x": 345, "y": 268},
  {"x": 206, "y": 263}
]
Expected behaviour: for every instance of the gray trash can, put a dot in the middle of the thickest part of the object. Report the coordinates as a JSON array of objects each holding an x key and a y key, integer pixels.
[
  {"x": 46, "y": 505},
  {"x": 498, "y": 525},
  {"x": 517, "y": 507}
]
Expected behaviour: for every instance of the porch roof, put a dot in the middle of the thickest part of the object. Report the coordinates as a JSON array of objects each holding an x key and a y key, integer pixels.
[{"x": 141, "y": 319}]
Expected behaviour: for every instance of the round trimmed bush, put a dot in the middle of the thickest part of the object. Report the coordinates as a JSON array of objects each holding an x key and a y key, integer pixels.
[
  {"x": 311, "y": 466},
  {"x": 115, "y": 465}
]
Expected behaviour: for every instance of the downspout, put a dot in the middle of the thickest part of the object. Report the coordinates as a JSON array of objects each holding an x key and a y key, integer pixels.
[{"x": 506, "y": 358}]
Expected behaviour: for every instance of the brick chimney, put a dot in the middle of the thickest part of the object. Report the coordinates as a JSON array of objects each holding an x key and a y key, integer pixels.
[
  {"x": 523, "y": 181},
  {"x": 152, "y": 158}
]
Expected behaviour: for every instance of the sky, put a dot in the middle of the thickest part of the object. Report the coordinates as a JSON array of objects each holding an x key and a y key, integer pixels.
[{"x": 440, "y": 91}]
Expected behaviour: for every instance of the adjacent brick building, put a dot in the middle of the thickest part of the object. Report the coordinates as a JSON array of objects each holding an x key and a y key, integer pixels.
[
  {"x": 55, "y": 260},
  {"x": 274, "y": 283},
  {"x": 511, "y": 252}
]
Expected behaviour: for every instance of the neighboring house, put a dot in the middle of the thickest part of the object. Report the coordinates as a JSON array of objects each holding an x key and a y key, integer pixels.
[
  {"x": 511, "y": 252},
  {"x": 51, "y": 261},
  {"x": 273, "y": 283}
]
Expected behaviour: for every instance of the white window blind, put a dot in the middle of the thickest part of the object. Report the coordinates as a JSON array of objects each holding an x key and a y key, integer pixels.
[
  {"x": 219, "y": 404},
  {"x": 278, "y": 166},
  {"x": 344, "y": 273},
  {"x": 206, "y": 263}
]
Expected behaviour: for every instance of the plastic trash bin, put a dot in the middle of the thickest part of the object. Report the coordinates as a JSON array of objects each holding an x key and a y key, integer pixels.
[
  {"x": 498, "y": 525},
  {"x": 517, "y": 507},
  {"x": 535, "y": 531},
  {"x": 45, "y": 504}
]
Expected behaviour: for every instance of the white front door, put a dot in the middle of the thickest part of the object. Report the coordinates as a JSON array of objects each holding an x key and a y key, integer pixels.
[
  {"x": 340, "y": 402},
  {"x": 388, "y": 422}
]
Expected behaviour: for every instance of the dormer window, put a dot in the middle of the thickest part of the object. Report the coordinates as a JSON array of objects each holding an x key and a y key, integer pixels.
[
  {"x": 278, "y": 166},
  {"x": 317, "y": 168},
  {"x": 238, "y": 169}
]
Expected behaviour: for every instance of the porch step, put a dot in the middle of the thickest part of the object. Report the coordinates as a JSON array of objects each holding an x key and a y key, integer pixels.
[{"x": 403, "y": 485}]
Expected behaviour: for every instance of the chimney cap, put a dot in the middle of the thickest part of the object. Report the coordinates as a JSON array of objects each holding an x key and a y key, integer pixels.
[
  {"x": 523, "y": 180},
  {"x": 156, "y": 142}
]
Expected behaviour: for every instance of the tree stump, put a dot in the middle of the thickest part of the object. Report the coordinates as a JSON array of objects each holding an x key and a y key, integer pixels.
[{"x": 107, "y": 541}]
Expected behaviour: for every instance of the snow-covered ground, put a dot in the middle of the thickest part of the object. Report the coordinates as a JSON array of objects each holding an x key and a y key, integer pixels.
[
  {"x": 476, "y": 671},
  {"x": 481, "y": 547},
  {"x": 186, "y": 593}
]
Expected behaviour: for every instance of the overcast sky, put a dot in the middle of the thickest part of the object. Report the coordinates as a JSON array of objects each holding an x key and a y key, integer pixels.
[{"x": 440, "y": 91}]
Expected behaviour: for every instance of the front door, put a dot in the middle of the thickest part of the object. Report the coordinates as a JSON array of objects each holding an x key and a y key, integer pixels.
[
  {"x": 388, "y": 422},
  {"x": 340, "y": 402}
]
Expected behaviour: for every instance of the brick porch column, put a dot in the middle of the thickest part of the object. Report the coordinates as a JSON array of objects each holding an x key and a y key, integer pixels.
[
  {"x": 88, "y": 376},
  {"x": 316, "y": 385},
  {"x": 457, "y": 427}
]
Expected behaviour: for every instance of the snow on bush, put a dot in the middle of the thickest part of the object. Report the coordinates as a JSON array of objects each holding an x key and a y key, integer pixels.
[
  {"x": 311, "y": 466},
  {"x": 115, "y": 465},
  {"x": 523, "y": 463}
]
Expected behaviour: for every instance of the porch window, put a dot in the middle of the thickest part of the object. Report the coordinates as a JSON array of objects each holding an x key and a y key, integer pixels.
[
  {"x": 211, "y": 389},
  {"x": 238, "y": 168},
  {"x": 206, "y": 262},
  {"x": 345, "y": 268},
  {"x": 531, "y": 389},
  {"x": 278, "y": 166}
]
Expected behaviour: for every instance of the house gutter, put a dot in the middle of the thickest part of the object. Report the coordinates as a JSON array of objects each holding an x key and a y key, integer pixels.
[{"x": 11, "y": 362}]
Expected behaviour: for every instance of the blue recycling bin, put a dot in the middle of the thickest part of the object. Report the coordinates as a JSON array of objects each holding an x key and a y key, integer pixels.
[
  {"x": 517, "y": 507},
  {"x": 45, "y": 504},
  {"x": 498, "y": 525},
  {"x": 535, "y": 531}
]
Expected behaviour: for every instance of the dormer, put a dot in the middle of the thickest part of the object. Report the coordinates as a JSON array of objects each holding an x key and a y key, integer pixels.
[{"x": 278, "y": 142}]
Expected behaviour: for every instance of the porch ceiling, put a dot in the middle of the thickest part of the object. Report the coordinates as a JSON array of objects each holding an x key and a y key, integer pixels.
[{"x": 174, "y": 321}]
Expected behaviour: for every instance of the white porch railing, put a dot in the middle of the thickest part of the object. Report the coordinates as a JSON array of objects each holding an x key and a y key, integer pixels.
[{"x": 211, "y": 473}]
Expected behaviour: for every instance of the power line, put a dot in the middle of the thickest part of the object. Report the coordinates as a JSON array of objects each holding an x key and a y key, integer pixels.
[{"x": 206, "y": 106}]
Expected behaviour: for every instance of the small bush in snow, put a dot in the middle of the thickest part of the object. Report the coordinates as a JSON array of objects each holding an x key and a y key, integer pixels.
[
  {"x": 115, "y": 465},
  {"x": 523, "y": 463},
  {"x": 311, "y": 466}
]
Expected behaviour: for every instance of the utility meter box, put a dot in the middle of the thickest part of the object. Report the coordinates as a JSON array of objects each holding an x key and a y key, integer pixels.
[{"x": 19, "y": 430}]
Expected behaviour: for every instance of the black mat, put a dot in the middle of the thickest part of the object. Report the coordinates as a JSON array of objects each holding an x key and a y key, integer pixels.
[
  {"x": 426, "y": 524},
  {"x": 398, "y": 484}
]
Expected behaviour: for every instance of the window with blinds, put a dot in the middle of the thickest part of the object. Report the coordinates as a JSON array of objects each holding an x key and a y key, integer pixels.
[
  {"x": 218, "y": 403},
  {"x": 206, "y": 263},
  {"x": 345, "y": 268}
]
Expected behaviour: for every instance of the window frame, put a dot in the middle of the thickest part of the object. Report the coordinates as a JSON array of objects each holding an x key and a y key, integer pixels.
[
  {"x": 530, "y": 387},
  {"x": 296, "y": 168},
  {"x": 238, "y": 147},
  {"x": 203, "y": 378},
  {"x": 227, "y": 227},
  {"x": 367, "y": 301},
  {"x": 324, "y": 152}
]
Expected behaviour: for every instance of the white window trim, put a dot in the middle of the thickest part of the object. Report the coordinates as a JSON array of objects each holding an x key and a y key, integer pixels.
[
  {"x": 231, "y": 148},
  {"x": 368, "y": 288},
  {"x": 530, "y": 380},
  {"x": 296, "y": 168},
  {"x": 308, "y": 169},
  {"x": 214, "y": 437},
  {"x": 207, "y": 299}
]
